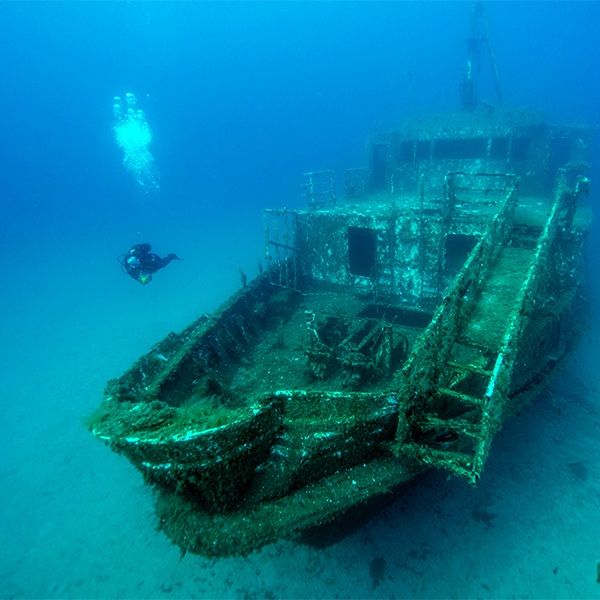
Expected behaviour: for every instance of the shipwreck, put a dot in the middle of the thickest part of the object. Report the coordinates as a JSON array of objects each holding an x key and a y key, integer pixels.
[{"x": 394, "y": 329}]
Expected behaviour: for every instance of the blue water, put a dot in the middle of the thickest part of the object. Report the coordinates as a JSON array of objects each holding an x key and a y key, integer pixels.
[{"x": 241, "y": 99}]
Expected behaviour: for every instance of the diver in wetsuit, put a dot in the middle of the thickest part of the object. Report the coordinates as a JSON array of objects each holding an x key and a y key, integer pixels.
[{"x": 140, "y": 263}]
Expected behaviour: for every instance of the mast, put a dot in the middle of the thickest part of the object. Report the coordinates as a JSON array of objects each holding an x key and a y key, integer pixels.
[{"x": 478, "y": 43}]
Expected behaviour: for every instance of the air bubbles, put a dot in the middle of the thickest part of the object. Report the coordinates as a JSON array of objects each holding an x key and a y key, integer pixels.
[{"x": 133, "y": 136}]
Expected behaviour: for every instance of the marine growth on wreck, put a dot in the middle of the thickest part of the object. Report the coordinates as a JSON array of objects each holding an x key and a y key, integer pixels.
[{"x": 396, "y": 326}]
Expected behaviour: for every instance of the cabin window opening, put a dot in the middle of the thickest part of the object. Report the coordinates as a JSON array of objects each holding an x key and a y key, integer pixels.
[
  {"x": 499, "y": 148},
  {"x": 362, "y": 250},
  {"x": 520, "y": 148},
  {"x": 379, "y": 166},
  {"x": 560, "y": 152},
  {"x": 460, "y": 148},
  {"x": 407, "y": 151},
  {"x": 458, "y": 247},
  {"x": 423, "y": 151}
]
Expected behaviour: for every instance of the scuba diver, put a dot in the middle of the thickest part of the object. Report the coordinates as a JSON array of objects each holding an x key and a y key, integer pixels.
[{"x": 140, "y": 263}]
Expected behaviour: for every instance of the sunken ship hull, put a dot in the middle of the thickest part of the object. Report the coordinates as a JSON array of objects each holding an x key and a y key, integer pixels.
[{"x": 392, "y": 331}]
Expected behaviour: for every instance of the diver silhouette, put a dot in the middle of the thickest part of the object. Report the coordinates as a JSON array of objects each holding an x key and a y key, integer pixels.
[{"x": 140, "y": 263}]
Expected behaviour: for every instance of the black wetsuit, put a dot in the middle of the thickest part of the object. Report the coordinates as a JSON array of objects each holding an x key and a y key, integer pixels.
[{"x": 140, "y": 263}]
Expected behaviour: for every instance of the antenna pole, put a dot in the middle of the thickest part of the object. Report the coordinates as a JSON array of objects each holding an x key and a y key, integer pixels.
[{"x": 477, "y": 40}]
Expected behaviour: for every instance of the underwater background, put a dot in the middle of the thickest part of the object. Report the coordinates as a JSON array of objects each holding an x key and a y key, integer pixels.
[{"x": 239, "y": 99}]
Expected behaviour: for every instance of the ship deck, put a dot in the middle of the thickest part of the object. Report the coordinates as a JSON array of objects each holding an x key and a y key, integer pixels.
[{"x": 279, "y": 361}]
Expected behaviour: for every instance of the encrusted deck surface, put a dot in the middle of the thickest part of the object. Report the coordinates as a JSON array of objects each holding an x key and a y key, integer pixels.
[
  {"x": 278, "y": 361},
  {"x": 487, "y": 323}
]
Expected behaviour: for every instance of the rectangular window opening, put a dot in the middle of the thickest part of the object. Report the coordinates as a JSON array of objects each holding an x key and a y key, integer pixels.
[
  {"x": 379, "y": 159},
  {"x": 560, "y": 152},
  {"x": 460, "y": 148},
  {"x": 458, "y": 247},
  {"x": 499, "y": 148},
  {"x": 407, "y": 151},
  {"x": 423, "y": 151},
  {"x": 520, "y": 148},
  {"x": 362, "y": 250}
]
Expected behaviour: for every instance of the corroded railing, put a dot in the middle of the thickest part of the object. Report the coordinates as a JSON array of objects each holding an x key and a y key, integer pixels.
[
  {"x": 497, "y": 394},
  {"x": 420, "y": 374}
]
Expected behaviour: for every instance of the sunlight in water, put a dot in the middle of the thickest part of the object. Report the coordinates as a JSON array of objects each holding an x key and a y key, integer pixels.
[{"x": 133, "y": 135}]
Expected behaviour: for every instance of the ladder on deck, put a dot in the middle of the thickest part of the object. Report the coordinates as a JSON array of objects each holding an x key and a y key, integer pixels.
[{"x": 458, "y": 377}]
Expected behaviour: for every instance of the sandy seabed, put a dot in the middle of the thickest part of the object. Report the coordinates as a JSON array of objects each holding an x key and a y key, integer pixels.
[{"x": 78, "y": 522}]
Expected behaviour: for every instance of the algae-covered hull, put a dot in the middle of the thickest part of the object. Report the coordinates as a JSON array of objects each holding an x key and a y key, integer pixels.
[
  {"x": 316, "y": 388},
  {"x": 393, "y": 330}
]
